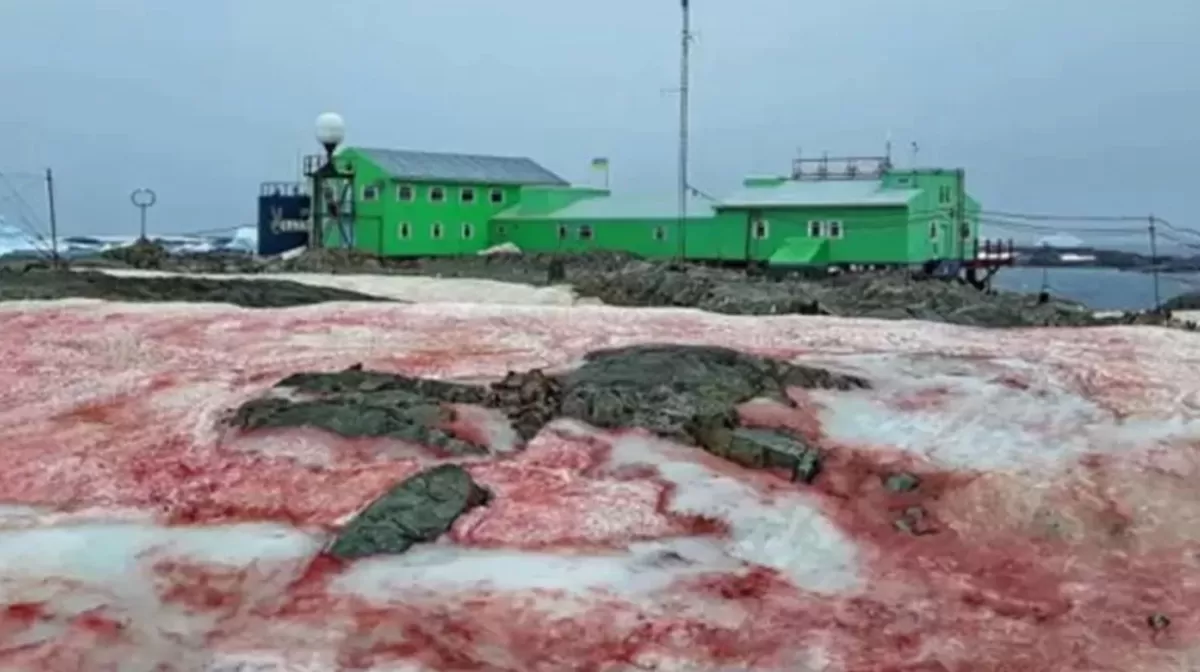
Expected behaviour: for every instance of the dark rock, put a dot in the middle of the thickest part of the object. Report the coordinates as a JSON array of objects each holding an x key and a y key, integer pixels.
[
  {"x": 900, "y": 483},
  {"x": 143, "y": 254},
  {"x": 356, "y": 379},
  {"x": 767, "y": 449},
  {"x": 42, "y": 285},
  {"x": 397, "y": 416},
  {"x": 419, "y": 509},
  {"x": 915, "y": 521},
  {"x": 682, "y": 392},
  {"x": 1158, "y": 622},
  {"x": 668, "y": 389},
  {"x": 883, "y": 295},
  {"x": 360, "y": 403},
  {"x": 530, "y": 400},
  {"x": 1187, "y": 301}
]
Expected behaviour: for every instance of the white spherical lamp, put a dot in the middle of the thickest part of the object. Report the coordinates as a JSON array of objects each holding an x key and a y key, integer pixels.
[{"x": 331, "y": 130}]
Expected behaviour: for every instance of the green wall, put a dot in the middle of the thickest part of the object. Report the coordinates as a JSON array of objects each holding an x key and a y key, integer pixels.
[
  {"x": 871, "y": 235},
  {"x": 935, "y": 210},
  {"x": 720, "y": 237},
  {"x": 393, "y": 227}
]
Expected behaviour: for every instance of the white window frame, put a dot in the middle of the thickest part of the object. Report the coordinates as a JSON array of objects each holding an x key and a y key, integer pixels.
[
  {"x": 496, "y": 196},
  {"x": 462, "y": 195},
  {"x": 437, "y": 190},
  {"x": 831, "y": 224},
  {"x": 816, "y": 228},
  {"x": 370, "y": 192},
  {"x": 762, "y": 228},
  {"x": 404, "y": 231},
  {"x": 412, "y": 193},
  {"x": 468, "y": 230},
  {"x": 436, "y": 231},
  {"x": 586, "y": 232}
]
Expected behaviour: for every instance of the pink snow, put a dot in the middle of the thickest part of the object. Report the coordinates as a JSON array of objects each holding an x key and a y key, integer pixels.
[{"x": 138, "y": 533}]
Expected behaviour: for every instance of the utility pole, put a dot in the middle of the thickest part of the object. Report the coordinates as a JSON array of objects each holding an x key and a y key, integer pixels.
[
  {"x": 960, "y": 210},
  {"x": 53, "y": 218},
  {"x": 684, "y": 77},
  {"x": 1154, "y": 262}
]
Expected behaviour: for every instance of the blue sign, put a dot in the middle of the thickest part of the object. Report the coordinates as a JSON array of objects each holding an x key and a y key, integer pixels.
[{"x": 284, "y": 213}]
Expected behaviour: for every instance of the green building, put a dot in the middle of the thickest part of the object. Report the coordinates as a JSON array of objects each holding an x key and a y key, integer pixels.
[
  {"x": 426, "y": 204},
  {"x": 894, "y": 217}
]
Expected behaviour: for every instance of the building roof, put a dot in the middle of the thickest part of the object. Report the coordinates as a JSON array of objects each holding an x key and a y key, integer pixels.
[
  {"x": 470, "y": 168},
  {"x": 632, "y": 207},
  {"x": 819, "y": 193}
]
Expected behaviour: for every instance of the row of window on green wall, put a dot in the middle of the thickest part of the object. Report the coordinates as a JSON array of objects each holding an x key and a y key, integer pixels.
[
  {"x": 817, "y": 228},
  {"x": 407, "y": 193},
  {"x": 436, "y": 230}
]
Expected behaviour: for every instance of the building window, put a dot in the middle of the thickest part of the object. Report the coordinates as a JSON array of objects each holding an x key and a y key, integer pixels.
[
  {"x": 562, "y": 231},
  {"x": 585, "y": 232},
  {"x": 435, "y": 231},
  {"x": 496, "y": 196},
  {"x": 815, "y": 228},
  {"x": 405, "y": 230},
  {"x": 835, "y": 228},
  {"x": 467, "y": 195},
  {"x": 370, "y": 192},
  {"x": 437, "y": 194},
  {"x": 500, "y": 230},
  {"x": 762, "y": 228},
  {"x": 660, "y": 233},
  {"x": 468, "y": 231},
  {"x": 404, "y": 192},
  {"x": 933, "y": 230}
]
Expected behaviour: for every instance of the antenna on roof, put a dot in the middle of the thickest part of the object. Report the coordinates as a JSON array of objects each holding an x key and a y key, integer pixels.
[{"x": 887, "y": 150}]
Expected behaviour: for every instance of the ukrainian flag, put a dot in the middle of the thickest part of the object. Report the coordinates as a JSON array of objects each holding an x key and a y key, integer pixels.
[{"x": 600, "y": 163}]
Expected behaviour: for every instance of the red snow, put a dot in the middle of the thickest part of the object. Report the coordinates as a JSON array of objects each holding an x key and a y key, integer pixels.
[{"x": 1068, "y": 565}]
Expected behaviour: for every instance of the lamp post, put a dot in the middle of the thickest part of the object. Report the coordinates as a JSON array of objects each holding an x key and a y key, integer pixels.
[
  {"x": 143, "y": 199},
  {"x": 331, "y": 131}
]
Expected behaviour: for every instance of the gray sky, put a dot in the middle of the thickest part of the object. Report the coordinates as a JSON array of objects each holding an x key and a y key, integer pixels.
[{"x": 1072, "y": 106}]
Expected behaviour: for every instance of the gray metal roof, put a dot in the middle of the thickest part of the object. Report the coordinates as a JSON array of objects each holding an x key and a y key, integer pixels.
[
  {"x": 469, "y": 168},
  {"x": 819, "y": 193},
  {"x": 622, "y": 207}
]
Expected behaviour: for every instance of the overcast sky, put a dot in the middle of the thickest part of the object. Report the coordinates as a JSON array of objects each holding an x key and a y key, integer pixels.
[{"x": 1069, "y": 106}]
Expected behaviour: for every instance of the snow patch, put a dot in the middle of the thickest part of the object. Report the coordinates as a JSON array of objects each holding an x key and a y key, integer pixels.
[
  {"x": 788, "y": 532},
  {"x": 636, "y": 571},
  {"x": 417, "y": 289},
  {"x": 992, "y": 414}
]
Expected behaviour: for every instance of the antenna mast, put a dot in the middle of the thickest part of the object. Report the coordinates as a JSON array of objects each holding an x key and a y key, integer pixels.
[{"x": 684, "y": 77}]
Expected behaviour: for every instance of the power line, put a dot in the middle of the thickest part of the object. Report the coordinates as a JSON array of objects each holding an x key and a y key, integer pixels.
[{"x": 1043, "y": 217}]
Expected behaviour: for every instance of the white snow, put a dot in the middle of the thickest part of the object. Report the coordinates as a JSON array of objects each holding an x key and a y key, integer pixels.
[
  {"x": 109, "y": 554},
  {"x": 788, "y": 533},
  {"x": 632, "y": 572},
  {"x": 972, "y": 420},
  {"x": 417, "y": 289}
]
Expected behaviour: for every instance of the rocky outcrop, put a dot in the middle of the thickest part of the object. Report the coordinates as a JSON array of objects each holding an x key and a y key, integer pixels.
[
  {"x": 890, "y": 295},
  {"x": 619, "y": 279},
  {"x": 46, "y": 284},
  {"x": 681, "y": 392},
  {"x": 144, "y": 254},
  {"x": 419, "y": 509}
]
